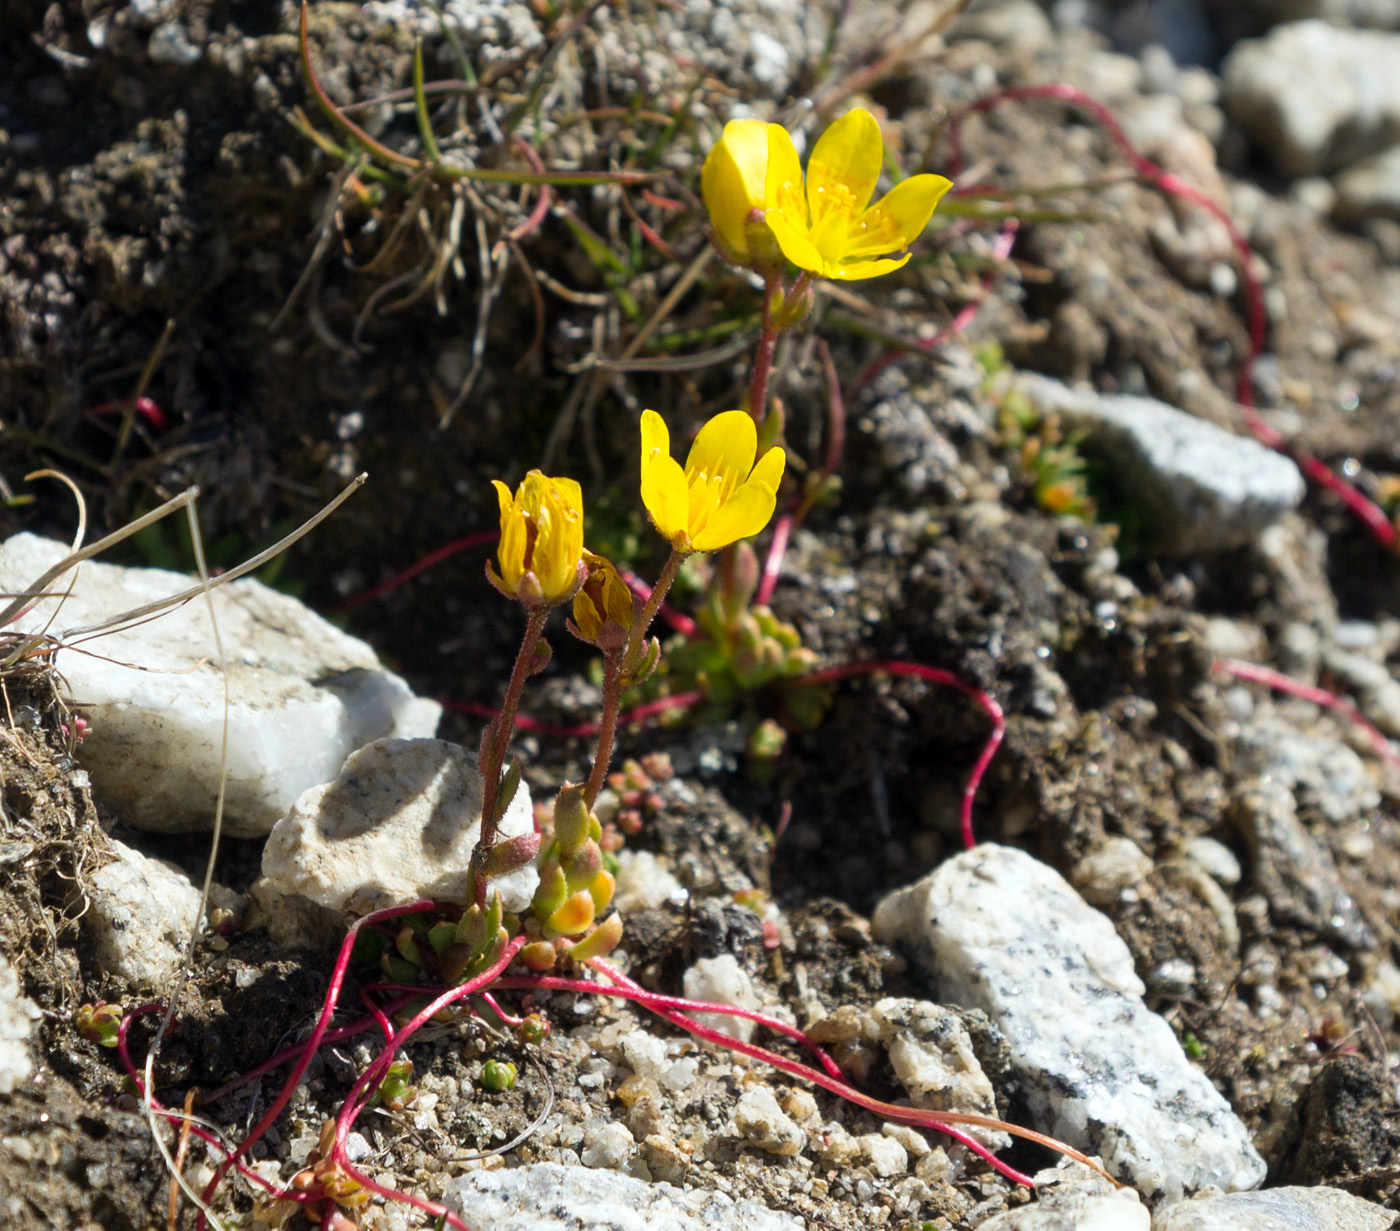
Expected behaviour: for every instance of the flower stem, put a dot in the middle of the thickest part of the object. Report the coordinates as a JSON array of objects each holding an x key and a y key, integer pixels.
[
  {"x": 607, "y": 727},
  {"x": 496, "y": 740},
  {"x": 763, "y": 356},
  {"x": 653, "y": 604}
]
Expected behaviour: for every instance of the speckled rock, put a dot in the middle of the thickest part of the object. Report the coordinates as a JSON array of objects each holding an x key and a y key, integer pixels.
[
  {"x": 139, "y": 917},
  {"x": 397, "y": 825},
  {"x": 304, "y": 695},
  {"x": 548, "y": 1197},
  {"x": 1315, "y": 98},
  {"x": 1277, "y": 1209},
  {"x": 996, "y": 930},
  {"x": 1201, "y": 488},
  {"x": 764, "y": 1125}
]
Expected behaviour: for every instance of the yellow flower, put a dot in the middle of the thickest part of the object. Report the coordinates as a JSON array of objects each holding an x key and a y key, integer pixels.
[
  {"x": 733, "y": 182},
  {"x": 603, "y": 609},
  {"x": 720, "y": 496},
  {"x": 826, "y": 227},
  {"x": 541, "y": 539}
]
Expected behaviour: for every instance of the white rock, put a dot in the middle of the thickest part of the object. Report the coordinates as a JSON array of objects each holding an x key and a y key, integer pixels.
[
  {"x": 17, "y": 1017},
  {"x": 645, "y": 883},
  {"x": 884, "y": 1155},
  {"x": 304, "y": 695},
  {"x": 998, "y": 931},
  {"x": 548, "y": 1197},
  {"x": 1201, "y": 488},
  {"x": 609, "y": 1146},
  {"x": 139, "y": 917},
  {"x": 1371, "y": 188},
  {"x": 1314, "y": 97},
  {"x": 1077, "y": 1201},
  {"x": 1214, "y": 858},
  {"x": 1276, "y": 1209},
  {"x": 721, "y": 980},
  {"x": 398, "y": 825},
  {"x": 931, "y": 1054},
  {"x": 764, "y": 1125},
  {"x": 1116, "y": 864}
]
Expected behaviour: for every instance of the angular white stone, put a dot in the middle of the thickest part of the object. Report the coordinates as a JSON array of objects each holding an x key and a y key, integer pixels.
[
  {"x": 548, "y": 1197},
  {"x": 1315, "y": 97},
  {"x": 1276, "y": 1209},
  {"x": 721, "y": 980},
  {"x": 397, "y": 825},
  {"x": 998, "y": 931},
  {"x": 17, "y": 1017},
  {"x": 304, "y": 694},
  {"x": 931, "y": 1054},
  {"x": 1202, "y": 488},
  {"x": 139, "y": 917},
  {"x": 1077, "y": 1201}
]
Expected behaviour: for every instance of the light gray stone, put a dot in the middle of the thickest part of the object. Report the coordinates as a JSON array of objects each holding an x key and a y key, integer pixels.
[
  {"x": 548, "y": 1197},
  {"x": 397, "y": 825},
  {"x": 1315, "y": 98},
  {"x": 1073, "y": 1198},
  {"x": 139, "y": 917},
  {"x": 1202, "y": 489},
  {"x": 996, "y": 930},
  {"x": 17, "y": 1017},
  {"x": 1276, "y": 1209},
  {"x": 303, "y": 694}
]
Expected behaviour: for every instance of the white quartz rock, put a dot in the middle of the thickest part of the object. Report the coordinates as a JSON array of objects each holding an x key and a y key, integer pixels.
[
  {"x": 764, "y": 1125},
  {"x": 303, "y": 694},
  {"x": 17, "y": 1017},
  {"x": 1073, "y": 1198},
  {"x": 140, "y": 915},
  {"x": 721, "y": 980},
  {"x": 996, "y": 930},
  {"x": 1276, "y": 1209},
  {"x": 398, "y": 825},
  {"x": 549, "y": 1197}
]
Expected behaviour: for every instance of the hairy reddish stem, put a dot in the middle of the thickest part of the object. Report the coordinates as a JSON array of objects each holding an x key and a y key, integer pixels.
[
  {"x": 763, "y": 356},
  {"x": 1318, "y": 696},
  {"x": 607, "y": 728},
  {"x": 933, "y": 675}
]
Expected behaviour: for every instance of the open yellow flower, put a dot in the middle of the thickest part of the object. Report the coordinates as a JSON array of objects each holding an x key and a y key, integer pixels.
[
  {"x": 733, "y": 182},
  {"x": 720, "y": 496},
  {"x": 541, "y": 539},
  {"x": 825, "y": 226}
]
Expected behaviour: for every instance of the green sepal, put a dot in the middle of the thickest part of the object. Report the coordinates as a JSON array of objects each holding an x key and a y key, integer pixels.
[
  {"x": 440, "y": 935},
  {"x": 552, "y": 891}
]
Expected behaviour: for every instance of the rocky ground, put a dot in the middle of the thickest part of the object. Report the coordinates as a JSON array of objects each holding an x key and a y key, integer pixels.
[{"x": 1177, "y": 946}]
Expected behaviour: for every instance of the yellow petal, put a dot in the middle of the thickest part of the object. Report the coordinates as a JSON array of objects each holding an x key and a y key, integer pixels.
[
  {"x": 725, "y": 446},
  {"x": 559, "y": 537},
  {"x": 745, "y": 513},
  {"x": 845, "y": 166},
  {"x": 511, "y": 552},
  {"x": 733, "y": 180},
  {"x": 770, "y": 468},
  {"x": 506, "y": 500},
  {"x": 858, "y": 270},
  {"x": 795, "y": 242},
  {"x": 782, "y": 187},
  {"x": 663, "y": 481},
  {"x": 896, "y": 219}
]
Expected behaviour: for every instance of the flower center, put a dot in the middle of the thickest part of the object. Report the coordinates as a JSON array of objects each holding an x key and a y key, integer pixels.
[
  {"x": 833, "y": 206},
  {"x": 708, "y": 493}
]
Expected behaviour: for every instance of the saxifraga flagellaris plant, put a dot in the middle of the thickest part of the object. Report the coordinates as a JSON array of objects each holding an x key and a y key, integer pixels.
[{"x": 440, "y": 955}]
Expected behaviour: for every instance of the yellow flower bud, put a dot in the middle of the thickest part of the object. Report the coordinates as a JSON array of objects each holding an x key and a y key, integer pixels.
[
  {"x": 733, "y": 182},
  {"x": 604, "y": 609},
  {"x": 541, "y": 539}
]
